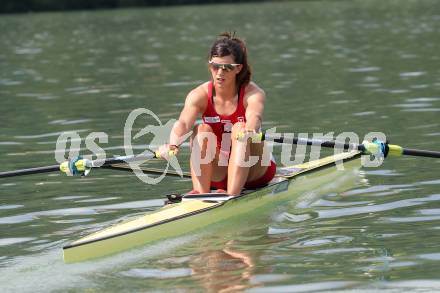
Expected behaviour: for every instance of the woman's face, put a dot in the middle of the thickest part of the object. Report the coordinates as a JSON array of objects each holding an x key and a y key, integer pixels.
[{"x": 224, "y": 70}]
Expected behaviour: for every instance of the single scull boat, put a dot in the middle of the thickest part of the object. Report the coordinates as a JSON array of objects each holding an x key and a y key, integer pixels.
[{"x": 198, "y": 211}]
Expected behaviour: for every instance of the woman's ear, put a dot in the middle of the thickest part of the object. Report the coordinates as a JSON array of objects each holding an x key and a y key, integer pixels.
[{"x": 239, "y": 68}]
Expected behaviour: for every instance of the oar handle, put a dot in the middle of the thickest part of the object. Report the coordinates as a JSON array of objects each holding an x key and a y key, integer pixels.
[
  {"x": 171, "y": 153},
  {"x": 83, "y": 166}
]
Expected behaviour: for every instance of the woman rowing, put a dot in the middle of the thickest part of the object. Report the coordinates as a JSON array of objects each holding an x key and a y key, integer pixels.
[{"x": 231, "y": 106}]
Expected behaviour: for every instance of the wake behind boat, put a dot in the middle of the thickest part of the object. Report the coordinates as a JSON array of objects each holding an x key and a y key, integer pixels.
[{"x": 198, "y": 211}]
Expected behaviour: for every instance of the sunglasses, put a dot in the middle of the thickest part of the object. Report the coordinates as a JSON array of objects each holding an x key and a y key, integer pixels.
[{"x": 224, "y": 66}]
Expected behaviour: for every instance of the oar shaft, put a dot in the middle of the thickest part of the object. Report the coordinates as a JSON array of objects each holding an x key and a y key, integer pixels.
[
  {"x": 155, "y": 171},
  {"x": 306, "y": 141},
  {"x": 29, "y": 171},
  {"x": 421, "y": 153},
  {"x": 394, "y": 150},
  {"x": 95, "y": 164},
  {"x": 123, "y": 159}
]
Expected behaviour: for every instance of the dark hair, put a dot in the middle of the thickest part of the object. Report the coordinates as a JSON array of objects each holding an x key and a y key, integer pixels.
[{"x": 228, "y": 44}]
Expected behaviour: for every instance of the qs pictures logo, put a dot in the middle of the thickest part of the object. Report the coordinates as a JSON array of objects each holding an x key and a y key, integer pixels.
[{"x": 161, "y": 134}]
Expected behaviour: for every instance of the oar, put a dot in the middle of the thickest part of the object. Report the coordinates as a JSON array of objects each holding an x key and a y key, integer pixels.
[
  {"x": 82, "y": 165},
  {"x": 367, "y": 147},
  {"x": 125, "y": 167},
  {"x": 29, "y": 171}
]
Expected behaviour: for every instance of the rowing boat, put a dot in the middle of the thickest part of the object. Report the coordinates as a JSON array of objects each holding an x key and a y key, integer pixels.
[{"x": 194, "y": 212}]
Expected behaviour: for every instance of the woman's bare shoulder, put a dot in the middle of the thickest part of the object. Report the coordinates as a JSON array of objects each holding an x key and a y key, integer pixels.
[
  {"x": 198, "y": 96},
  {"x": 252, "y": 88},
  {"x": 254, "y": 93}
]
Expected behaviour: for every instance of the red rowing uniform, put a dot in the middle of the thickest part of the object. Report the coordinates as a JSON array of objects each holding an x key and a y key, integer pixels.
[
  {"x": 222, "y": 124},
  {"x": 222, "y": 128}
]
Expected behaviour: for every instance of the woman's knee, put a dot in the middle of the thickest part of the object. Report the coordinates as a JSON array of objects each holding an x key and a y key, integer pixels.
[
  {"x": 204, "y": 135},
  {"x": 202, "y": 128}
]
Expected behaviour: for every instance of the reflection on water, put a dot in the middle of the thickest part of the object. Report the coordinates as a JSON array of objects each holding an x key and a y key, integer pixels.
[
  {"x": 343, "y": 66},
  {"x": 222, "y": 270}
]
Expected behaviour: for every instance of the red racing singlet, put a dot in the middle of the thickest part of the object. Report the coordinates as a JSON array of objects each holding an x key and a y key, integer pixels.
[{"x": 222, "y": 124}]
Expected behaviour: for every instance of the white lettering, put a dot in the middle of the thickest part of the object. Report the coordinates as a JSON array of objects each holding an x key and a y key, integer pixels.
[
  {"x": 95, "y": 148},
  {"x": 75, "y": 146}
]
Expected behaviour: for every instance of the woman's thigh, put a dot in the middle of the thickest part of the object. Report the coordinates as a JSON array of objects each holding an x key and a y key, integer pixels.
[{"x": 261, "y": 151}]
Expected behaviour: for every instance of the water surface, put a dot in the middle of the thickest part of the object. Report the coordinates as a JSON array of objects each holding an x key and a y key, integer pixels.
[{"x": 331, "y": 66}]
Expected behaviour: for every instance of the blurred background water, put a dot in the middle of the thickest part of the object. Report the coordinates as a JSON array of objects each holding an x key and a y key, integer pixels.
[{"x": 326, "y": 66}]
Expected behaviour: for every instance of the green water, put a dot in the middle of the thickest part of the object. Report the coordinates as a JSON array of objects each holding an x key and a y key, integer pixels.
[{"x": 326, "y": 66}]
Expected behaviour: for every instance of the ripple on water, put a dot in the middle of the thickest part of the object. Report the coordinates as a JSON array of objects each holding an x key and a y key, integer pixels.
[
  {"x": 294, "y": 218},
  {"x": 331, "y": 239},
  {"x": 423, "y": 99},
  {"x": 340, "y": 250},
  {"x": 392, "y": 91},
  {"x": 370, "y": 85},
  {"x": 419, "y": 86},
  {"x": 70, "y": 197},
  {"x": 28, "y": 51},
  {"x": 80, "y": 211},
  {"x": 433, "y": 134},
  {"x": 17, "y": 219},
  {"x": 412, "y": 74},
  {"x": 336, "y": 92},
  {"x": 413, "y": 105},
  {"x": 8, "y": 82},
  {"x": 157, "y": 273},
  {"x": 56, "y": 134},
  {"x": 415, "y": 285},
  {"x": 45, "y": 245},
  {"x": 342, "y": 101},
  {"x": 11, "y": 241},
  {"x": 307, "y": 287},
  {"x": 329, "y": 203},
  {"x": 73, "y": 221},
  {"x": 150, "y": 65},
  {"x": 385, "y": 266},
  {"x": 421, "y": 104},
  {"x": 98, "y": 199},
  {"x": 389, "y": 235},
  {"x": 46, "y": 97},
  {"x": 377, "y": 188},
  {"x": 430, "y": 256},
  {"x": 430, "y": 182},
  {"x": 10, "y": 206},
  {"x": 410, "y": 219},
  {"x": 267, "y": 278},
  {"x": 382, "y": 172},
  {"x": 182, "y": 83},
  {"x": 366, "y": 113},
  {"x": 429, "y": 211},
  {"x": 376, "y": 259},
  {"x": 364, "y": 69},
  {"x": 343, "y": 212},
  {"x": 9, "y": 184},
  {"x": 10, "y": 143},
  {"x": 69, "y": 122},
  {"x": 422, "y": 110},
  {"x": 278, "y": 231}
]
